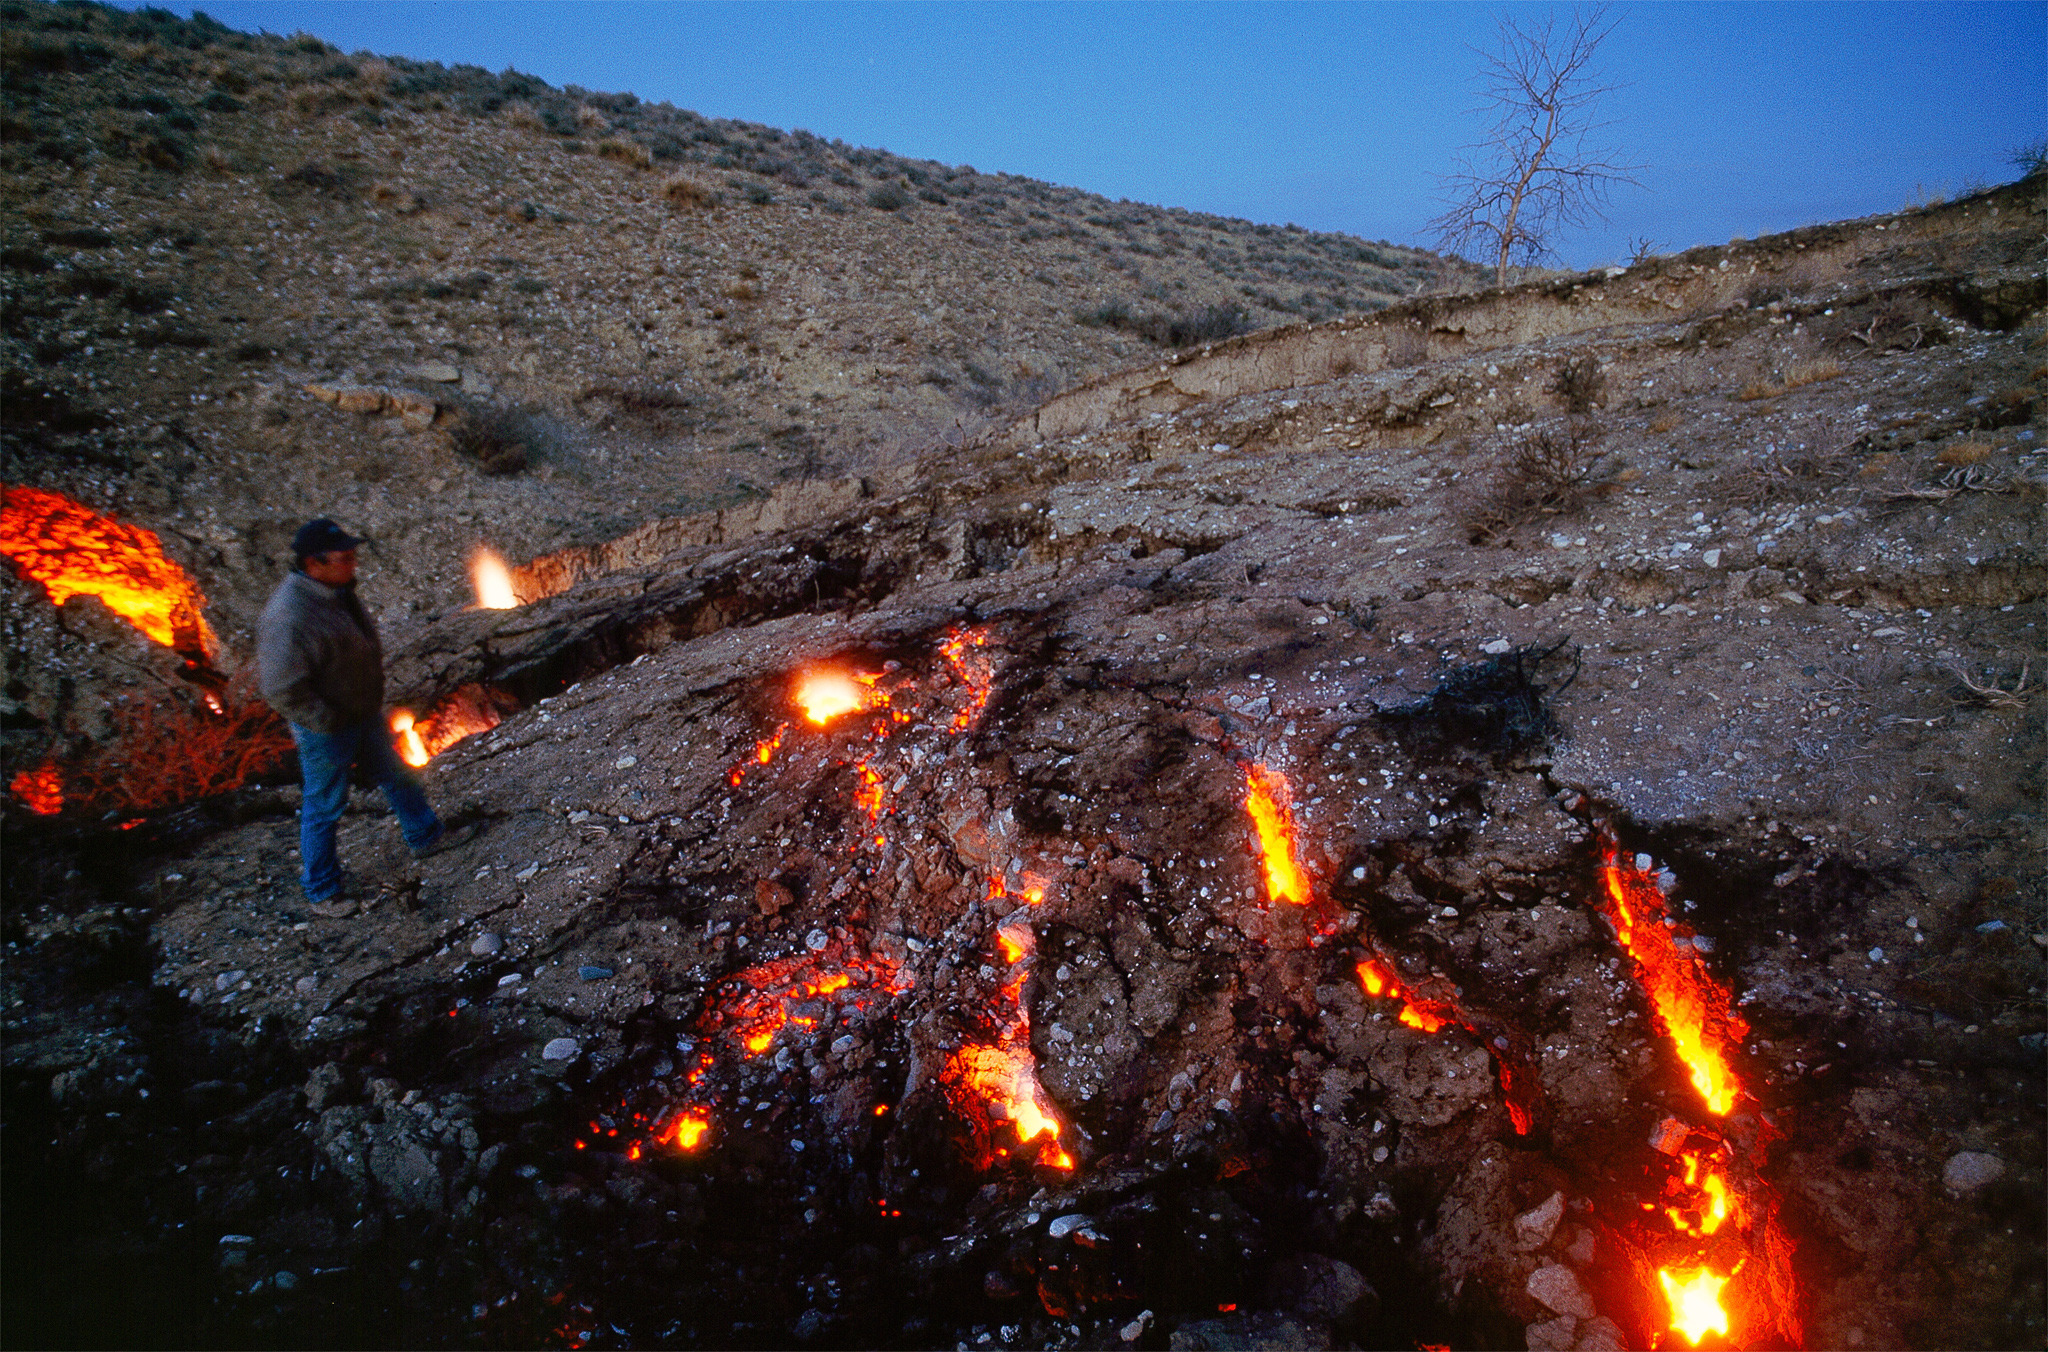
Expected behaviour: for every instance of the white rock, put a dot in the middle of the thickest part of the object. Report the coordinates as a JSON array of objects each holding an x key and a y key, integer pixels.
[
  {"x": 1066, "y": 1225},
  {"x": 1971, "y": 1170},
  {"x": 816, "y": 940},
  {"x": 486, "y": 945},
  {"x": 1534, "y": 1228},
  {"x": 625, "y": 762},
  {"x": 440, "y": 372},
  {"x": 1497, "y": 647},
  {"x": 560, "y": 1049},
  {"x": 1557, "y": 1286}
]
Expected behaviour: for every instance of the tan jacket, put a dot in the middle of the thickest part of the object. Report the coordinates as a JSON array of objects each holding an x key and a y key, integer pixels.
[{"x": 318, "y": 655}]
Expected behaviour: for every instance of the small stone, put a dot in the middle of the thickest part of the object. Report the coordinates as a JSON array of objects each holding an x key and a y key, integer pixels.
[
  {"x": 625, "y": 762},
  {"x": 1555, "y": 1335},
  {"x": 1712, "y": 558},
  {"x": 237, "y": 1240},
  {"x": 526, "y": 875},
  {"x": 1970, "y": 1170},
  {"x": 1135, "y": 1330},
  {"x": 440, "y": 372},
  {"x": 1496, "y": 648},
  {"x": 228, "y": 980},
  {"x": 1668, "y": 1136},
  {"x": 285, "y": 1281},
  {"x": 772, "y": 897},
  {"x": 509, "y": 979},
  {"x": 326, "y": 394},
  {"x": 1557, "y": 1286},
  {"x": 306, "y": 985},
  {"x": 487, "y": 945},
  {"x": 1534, "y": 1228},
  {"x": 560, "y": 1049},
  {"x": 363, "y": 399},
  {"x": 593, "y": 973},
  {"x": 1066, "y": 1225},
  {"x": 1580, "y": 1250},
  {"x": 816, "y": 940},
  {"x": 1600, "y": 1334}
]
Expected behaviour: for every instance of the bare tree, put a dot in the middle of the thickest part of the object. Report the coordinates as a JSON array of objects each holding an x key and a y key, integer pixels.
[{"x": 1536, "y": 171}]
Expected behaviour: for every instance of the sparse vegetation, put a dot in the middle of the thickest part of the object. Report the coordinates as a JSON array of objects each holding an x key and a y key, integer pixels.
[
  {"x": 1547, "y": 471},
  {"x": 1800, "y": 373},
  {"x": 1579, "y": 384},
  {"x": 502, "y": 439},
  {"x": 168, "y": 750},
  {"x": 1210, "y": 324}
]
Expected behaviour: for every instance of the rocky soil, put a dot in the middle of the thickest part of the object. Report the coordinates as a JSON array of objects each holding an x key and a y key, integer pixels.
[{"x": 1733, "y": 559}]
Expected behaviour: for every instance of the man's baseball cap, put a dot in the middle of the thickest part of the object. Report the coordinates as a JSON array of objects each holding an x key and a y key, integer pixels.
[{"x": 321, "y": 536}]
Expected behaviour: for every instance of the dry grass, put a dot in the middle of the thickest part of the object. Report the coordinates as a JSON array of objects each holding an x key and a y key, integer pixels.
[
  {"x": 1965, "y": 453},
  {"x": 168, "y": 752},
  {"x": 629, "y": 153},
  {"x": 1802, "y": 373}
]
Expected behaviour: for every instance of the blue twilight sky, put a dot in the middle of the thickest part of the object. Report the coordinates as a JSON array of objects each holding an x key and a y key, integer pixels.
[{"x": 1748, "y": 117}]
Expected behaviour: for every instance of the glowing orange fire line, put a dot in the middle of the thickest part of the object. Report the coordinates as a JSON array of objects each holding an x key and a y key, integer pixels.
[
  {"x": 1269, "y": 798},
  {"x": 40, "y": 790},
  {"x": 1692, "y": 1008}
]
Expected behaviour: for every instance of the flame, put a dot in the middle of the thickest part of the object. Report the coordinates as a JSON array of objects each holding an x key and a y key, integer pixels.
[
  {"x": 1692, "y": 1008},
  {"x": 825, "y": 694},
  {"x": 1003, "y": 1075},
  {"x": 463, "y": 714},
  {"x": 1705, "y": 1201},
  {"x": 1269, "y": 800},
  {"x": 1695, "y": 1299},
  {"x": 411, "y": 749},
  {"x": 492, "y": 580},
  {"x": 74, "y": 551},
  {"x": 762, "y": 1005},
  {"x": 40, "y": 790}
]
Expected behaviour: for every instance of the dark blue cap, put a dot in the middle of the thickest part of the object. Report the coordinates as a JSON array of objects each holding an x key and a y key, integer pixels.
[{"x": 321, "y": 536}]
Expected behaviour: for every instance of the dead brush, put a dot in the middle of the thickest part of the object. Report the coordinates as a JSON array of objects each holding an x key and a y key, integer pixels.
[
  {"x": 1579, "y": 384},
  {"x": 1550, "y": 471},
  {"x": 1788, "y": 474},
  {"x": 1995, "y": 695},
  {"x": 165, "y": 752},
  {"x": 688, "y": 194}
]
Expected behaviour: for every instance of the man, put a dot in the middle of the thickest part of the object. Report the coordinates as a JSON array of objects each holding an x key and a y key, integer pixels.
[{"x": 322, "y": 667}]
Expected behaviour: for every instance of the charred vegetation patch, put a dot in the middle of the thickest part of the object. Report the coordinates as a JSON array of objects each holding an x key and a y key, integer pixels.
[{"x": 1496, "y": 706}]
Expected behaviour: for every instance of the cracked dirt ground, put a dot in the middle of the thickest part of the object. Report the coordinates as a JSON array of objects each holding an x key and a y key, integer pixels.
[{"x": 1783, "y": 647}]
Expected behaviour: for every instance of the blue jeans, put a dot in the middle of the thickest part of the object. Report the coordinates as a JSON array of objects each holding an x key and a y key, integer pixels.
[{"x": 324, "y": 760}]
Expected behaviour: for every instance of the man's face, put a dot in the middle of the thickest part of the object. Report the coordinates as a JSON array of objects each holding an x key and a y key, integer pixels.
[{"x": 334, "y": 569}]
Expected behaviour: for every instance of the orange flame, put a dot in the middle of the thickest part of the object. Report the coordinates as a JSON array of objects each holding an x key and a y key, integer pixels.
[
  {"x": 40, "y": 790},
  {"x": 1692, "y": 1008},
  {"x": 1519, "y": 1088},
  {"x": 492, "y": 580},
  {"x": 764, "y": 752},
  {"x": 464, "y": 714},
  {"x": 1695, "y": 1299},
  {"x": 825, "y": 694},
  {"x": 768, "y": 994},
  {"x": 1005, "y": 1076},
  {"x": 1269, "y": 800},
  {"x": 411, "y": 749},
  {"x": 74, "y": 551}
]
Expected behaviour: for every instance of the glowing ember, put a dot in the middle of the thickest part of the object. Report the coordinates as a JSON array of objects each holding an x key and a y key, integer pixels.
[
  {"x": 764, "y": 752},
  {"x": 1005, "y": 1077},
  {"x": 686, "y": 1131},
  {"x": 771, "y": 997},
  {"x": 1705, "y": 1203},
  {"x": 1269, "y": 800},
  {"x": 1520, "y": 1088},
  {"x": 825, "y": 695},
  {"x": 492, "y": 580},
  {"x": 1695, "y": 1302},
  {"x": 74, "y": 551},
  {"x": 973, "y": 670},
  {"x": 40, "y": 790},
  {"x": 867, "y": 796},
  {"x": 1692, "y": 1008}
]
